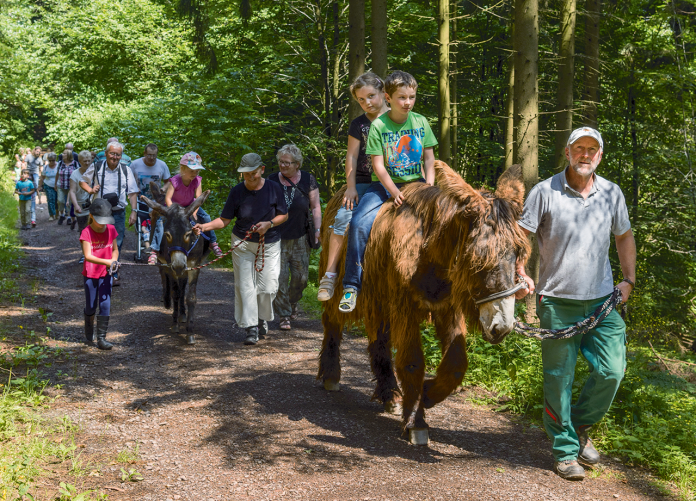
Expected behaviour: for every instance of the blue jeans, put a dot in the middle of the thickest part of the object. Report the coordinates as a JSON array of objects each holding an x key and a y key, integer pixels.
[
  {"x": 343, "y": 216},
  {"x": 202, "y": 218},
  {"x": 35, "y": 180},
  {"x": 51, "y": 197},
  {"x": 359, "y": 231}
]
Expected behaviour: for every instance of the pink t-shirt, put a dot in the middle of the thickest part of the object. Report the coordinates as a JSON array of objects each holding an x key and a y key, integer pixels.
[
  {"x": 102, "y": 247},
  {"x": 184, "y": 195}
]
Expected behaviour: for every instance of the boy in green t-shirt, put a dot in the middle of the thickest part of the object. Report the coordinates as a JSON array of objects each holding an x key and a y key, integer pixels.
[{"x": 401, "y": 144}]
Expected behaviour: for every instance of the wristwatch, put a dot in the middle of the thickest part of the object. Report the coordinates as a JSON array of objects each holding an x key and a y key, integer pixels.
[
  {"x": 271, "y": 225},
  {"x": 629, "y": 282}
]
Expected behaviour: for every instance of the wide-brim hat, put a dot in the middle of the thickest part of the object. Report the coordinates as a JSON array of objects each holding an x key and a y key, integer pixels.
[
  {"x": 585, "y": 132},
  {"x": 250, "y": 162},
  {"x": 192, "y": 160},
  {"x": 100, "y": 210}
]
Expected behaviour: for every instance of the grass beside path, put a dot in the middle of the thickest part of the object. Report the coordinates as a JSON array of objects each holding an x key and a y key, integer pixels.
[{"x": 32, "y": 446}]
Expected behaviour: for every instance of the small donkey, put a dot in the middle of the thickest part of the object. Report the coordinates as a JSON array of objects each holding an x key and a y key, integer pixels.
[{"x": 180, "y": 250}]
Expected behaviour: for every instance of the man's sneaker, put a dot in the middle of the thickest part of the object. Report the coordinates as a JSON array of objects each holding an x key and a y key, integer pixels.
[
  {"x": 69, "y": 221},
  {"x": 569, "y": 470},
  {"x": 51, "y": 218},
  {"x": 252, "y": 335},
  {"x": 326, "y": 288},
  {"x": 350, "y": 296},
  {"x": 33, "y": 224},
  {"x": 61, "y": 219},
  {"x": 588, "y": 454},
  {"x": 216, "y": 249},
  {"x": 82, "y": 260}
]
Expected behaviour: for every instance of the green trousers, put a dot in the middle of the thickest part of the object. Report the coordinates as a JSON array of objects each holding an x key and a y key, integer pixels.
[{"x": 604, "y": 348}]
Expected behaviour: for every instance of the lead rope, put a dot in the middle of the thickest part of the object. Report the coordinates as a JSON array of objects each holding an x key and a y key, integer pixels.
[
  {"x": 260, "y": 251},
  {"x": 581, "y": 327}
]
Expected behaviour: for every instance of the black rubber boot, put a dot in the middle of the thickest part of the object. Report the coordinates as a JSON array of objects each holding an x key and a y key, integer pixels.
[
  {"x": 102, "y": 326},
  {"x": 263, "y": 329},
  {"x": 252, "y": 335},
  {"x": 89, "y": 328}
]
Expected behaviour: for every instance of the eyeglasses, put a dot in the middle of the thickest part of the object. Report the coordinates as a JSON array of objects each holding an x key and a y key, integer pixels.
[{"x": 286, "y": 164}]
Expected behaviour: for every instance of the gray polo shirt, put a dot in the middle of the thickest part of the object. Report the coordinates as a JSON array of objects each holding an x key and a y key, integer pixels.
[{"x": 574, "y": 236}]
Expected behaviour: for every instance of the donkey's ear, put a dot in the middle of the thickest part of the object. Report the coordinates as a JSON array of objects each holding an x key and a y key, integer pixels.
[
  {"x": 511, "y": 187},
  {"x": 156, "y": 206},
  {"x": 156, "y": 192},
  {"x": 197, "y": 203},
  {"x": 452, "y": 184}
]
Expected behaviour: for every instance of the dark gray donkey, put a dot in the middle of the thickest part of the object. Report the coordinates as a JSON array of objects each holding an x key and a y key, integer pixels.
[{"x": 179, "y": 251}]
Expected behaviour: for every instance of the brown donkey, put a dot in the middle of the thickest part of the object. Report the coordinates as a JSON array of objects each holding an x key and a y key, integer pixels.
[{"x": 443, "y": 249}]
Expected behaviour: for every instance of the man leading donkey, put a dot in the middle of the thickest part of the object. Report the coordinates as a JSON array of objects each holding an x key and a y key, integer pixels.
[{"x": 573, "y": 215}]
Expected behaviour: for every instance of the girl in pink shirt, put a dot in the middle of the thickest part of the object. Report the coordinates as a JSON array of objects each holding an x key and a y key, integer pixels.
[
  {"x": 100, "y": 249},
  {"x": 183, "y": 189}
]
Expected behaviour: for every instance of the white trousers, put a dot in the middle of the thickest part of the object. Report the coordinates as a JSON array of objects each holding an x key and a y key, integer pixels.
[{"x": 254, "y": 291}]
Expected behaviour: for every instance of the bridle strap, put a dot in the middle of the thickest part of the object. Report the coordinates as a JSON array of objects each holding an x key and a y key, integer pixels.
[{"x": 522, "y": 284}]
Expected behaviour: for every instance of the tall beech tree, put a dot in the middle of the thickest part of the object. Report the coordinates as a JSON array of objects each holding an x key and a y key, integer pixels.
[
  {"x": 566, "y": 74},
  {"x": 591, "y": 87},
  {"x": 526, "y": 92},
  {"x": 380, "y": 64},
  {"x": 443, "y": 37},
  {"x": 356, "y": 49}
]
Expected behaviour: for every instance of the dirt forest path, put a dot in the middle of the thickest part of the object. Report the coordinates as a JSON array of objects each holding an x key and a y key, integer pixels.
[{"x": 223, "y": 421}]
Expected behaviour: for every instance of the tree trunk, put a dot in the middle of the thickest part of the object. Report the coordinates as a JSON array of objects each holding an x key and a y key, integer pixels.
[
  {"x": 566, "y": 71},
  {"x": 443, "y": 80},
  {"x": 453, "y": 86},
  {"x": 356, "y": 51},
  {"x": 526, "y": 53},
  {"x": 510, "y": 109},
  {"x": 591, "y": 93},
  {"x": 634, "y": 146},
  {"x": 379, "y": 37},
  {"x": 335, "y": 91}
]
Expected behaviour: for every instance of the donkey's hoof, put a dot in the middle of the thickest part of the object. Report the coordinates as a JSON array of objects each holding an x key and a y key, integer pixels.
[
  {"x": 331, "y": 385},
  {"x": 392, "y": 407},
  {"x": 418, "y": 436},
  {"x": 182, "y": 318},
  {"x": 190, "y": 339},
  {"x": 175, "y": 328}
]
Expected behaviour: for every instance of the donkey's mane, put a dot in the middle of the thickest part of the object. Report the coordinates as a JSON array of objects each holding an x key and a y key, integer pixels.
[{"x": 455, "y": 209}]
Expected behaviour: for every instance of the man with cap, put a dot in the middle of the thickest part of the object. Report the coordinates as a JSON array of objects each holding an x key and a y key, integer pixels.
[
  {"x": 574, "y": 214},
  {"x": 113, "y": 181},
  {"x": 258, "y": 205}
]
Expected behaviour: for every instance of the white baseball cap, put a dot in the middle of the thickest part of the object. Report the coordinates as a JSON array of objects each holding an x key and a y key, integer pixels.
[{"x": 585, "y": 132}]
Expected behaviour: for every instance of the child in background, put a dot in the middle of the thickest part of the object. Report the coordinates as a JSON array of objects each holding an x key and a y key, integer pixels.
[
  {"x": 25, "y": 189},
  {"x": 183, "y": 189},
  {"x": 47, "y": 181},
  {"x": 78, "y": 196},
  {"x": 65, "y": 170},
  {"x": 401, "y": 145},
  {"x": 368, "y": 91},
  {"x": 100, "y": 249}
]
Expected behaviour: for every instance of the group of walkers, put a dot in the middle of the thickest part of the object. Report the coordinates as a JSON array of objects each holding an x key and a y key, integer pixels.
[{"x": 574, "y": 213}]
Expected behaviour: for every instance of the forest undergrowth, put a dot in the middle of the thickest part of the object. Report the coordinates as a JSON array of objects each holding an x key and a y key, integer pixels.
[{"x": 30, "y": 442}]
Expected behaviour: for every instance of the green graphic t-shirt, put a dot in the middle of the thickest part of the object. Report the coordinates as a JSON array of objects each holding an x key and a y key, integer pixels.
[{"x": 401, "y": 145}]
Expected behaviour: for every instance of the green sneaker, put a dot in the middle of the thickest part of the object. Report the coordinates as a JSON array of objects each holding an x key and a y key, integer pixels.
[{"x": 350, "y": 296}]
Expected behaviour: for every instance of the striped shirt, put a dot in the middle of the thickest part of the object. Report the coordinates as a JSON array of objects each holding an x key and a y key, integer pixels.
[{"x": 64, "y": 173}]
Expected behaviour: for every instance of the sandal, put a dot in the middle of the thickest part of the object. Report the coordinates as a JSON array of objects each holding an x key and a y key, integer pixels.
[
  {"x": 216, "y": 249},
  {"x": 326, "y": 288},
  {"x": 350, "y": 296},
  {"x": 294, "y": 314},
  {"x": 285, "y": 324},
  {"x": 152, "y": 259}
]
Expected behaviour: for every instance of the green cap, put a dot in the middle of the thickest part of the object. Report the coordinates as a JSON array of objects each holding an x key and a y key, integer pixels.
[{"x": 250, "y": 162}]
